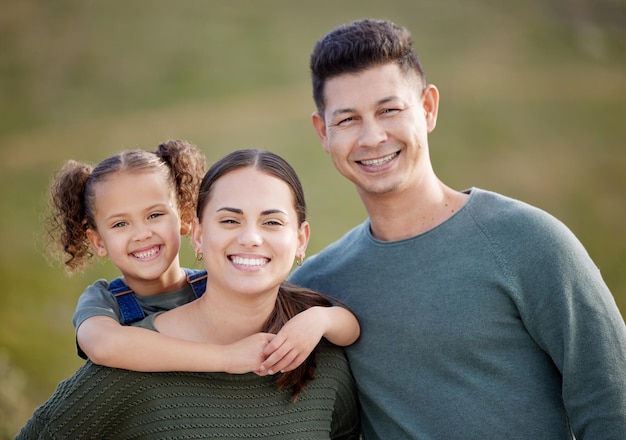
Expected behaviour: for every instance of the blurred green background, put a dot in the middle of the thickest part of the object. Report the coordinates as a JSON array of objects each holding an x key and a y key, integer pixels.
[{"x": 533, "y": 106}]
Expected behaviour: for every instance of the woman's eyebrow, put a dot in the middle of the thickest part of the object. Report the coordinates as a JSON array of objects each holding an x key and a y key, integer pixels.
[{"x": 240, "y": 211}]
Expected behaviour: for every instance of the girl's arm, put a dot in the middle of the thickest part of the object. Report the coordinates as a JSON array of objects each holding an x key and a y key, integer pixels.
[
  {"x": 301, "y": 334},
  {"x": 106, "y": 342}
]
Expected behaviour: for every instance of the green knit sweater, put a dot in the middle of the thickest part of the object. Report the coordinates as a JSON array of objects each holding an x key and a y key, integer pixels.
[{"x": 99, "y": 402}]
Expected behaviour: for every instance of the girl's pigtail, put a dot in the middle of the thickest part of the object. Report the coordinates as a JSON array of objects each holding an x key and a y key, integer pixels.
[
  {"x": 67, "y": 221},
  {"x": 187, "y": 164}
]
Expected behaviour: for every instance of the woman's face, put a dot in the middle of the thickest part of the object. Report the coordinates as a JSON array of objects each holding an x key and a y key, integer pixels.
[{"x": 249, "y": 233}]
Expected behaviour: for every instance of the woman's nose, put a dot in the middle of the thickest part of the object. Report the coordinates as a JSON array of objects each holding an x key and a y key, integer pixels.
[{"x": 250, "y": 236}]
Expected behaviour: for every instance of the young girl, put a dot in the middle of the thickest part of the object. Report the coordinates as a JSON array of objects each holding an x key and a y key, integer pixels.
[{"x": 133, "y": 207}]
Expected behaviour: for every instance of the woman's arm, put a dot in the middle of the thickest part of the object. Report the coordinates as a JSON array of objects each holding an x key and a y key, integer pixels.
[
  {"x": 301, "y": 334},
  {"x": 106, "y": 342}
]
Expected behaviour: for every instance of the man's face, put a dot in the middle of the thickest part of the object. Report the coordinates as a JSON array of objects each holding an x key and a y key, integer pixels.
[{"x": 375, "y": 128}]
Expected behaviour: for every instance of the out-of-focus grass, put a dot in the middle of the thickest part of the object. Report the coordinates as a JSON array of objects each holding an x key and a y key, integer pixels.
[{"x": 533, "y": 103}]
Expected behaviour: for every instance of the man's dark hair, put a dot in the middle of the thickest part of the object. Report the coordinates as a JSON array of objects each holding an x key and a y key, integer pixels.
[{"x": 357, "y": 46}]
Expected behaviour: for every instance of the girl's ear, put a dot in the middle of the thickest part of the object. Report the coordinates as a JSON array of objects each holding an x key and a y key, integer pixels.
[
  {"x": 96, "y": 243},
  {"x": 185, "y": 228}
]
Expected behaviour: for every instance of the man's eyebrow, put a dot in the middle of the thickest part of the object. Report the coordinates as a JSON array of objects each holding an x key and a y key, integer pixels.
[{"x": 382, "y": 101}]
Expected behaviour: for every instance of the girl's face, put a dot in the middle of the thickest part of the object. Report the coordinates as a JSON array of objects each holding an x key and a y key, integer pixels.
[
  {"x": 249, "y": 233},
  {"x": 138, "y": 227}
]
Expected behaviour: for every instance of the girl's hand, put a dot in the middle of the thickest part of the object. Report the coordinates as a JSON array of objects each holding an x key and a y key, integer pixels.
[
  {"x": 295, "y": 341},
  {"x": 247, "y": 355}
]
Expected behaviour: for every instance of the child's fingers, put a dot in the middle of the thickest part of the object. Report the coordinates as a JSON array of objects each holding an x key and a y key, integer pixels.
[
  {"x": 274, "y": 344},
  {"x": 294, "y": 364},
  {"x": 282, "y": 364},
  {"x": 270, "y": 363}
]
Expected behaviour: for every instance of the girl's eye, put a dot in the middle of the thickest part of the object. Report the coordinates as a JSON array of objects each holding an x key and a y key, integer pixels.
[
  {"x": 119, "y": 225},
  {"x": 155, "y": 215}
]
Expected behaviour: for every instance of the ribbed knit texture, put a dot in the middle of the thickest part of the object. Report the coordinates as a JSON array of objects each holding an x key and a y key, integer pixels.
[
  {"x": 100, "y": 402},
  {"x": 495, "y": 324}
]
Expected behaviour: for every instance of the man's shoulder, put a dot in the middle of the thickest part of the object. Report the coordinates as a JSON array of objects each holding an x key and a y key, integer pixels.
[
  {"x": 513, "y": 224},
  {"x": 490, "y": 209},
  {"x": 345, "y": 243},
  {"x": 331, "y": 258}
]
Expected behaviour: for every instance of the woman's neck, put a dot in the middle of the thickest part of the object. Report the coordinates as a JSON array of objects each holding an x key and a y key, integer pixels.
[{"x": 216, "y": 318}]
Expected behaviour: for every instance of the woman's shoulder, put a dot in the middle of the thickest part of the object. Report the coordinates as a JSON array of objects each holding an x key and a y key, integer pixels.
[{"x": 331, "y": 356}]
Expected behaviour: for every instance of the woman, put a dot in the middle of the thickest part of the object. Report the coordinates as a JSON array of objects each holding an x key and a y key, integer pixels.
[{"x": 250, "y": 227}]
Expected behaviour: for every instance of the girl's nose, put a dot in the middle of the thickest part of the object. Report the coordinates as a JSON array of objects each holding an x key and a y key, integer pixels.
[{"x": 142, "y": 232}]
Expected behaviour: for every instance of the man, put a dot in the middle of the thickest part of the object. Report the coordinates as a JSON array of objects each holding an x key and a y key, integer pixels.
[{"x": 482, "y": 317}]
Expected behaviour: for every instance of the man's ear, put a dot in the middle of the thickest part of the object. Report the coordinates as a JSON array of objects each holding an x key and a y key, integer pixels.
[
  {"x": 430, "y": 102},
  {"x": 97, "y": 244},
  {"x": 320, "y": 128}
]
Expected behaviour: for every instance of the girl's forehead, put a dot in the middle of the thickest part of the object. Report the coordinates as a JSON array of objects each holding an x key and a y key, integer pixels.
[
  {"x": 134, "y": 184},
  {"x": 127, "y": 177}
]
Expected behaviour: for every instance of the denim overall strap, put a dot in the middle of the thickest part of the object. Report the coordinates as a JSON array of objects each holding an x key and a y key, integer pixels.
[
  {"x": 129, "y": 306},
  {"x": 197, "y": 281}
]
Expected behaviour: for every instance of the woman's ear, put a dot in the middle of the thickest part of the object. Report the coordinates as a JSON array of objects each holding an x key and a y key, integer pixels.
[
  {"x": 96, "y": 242},
  {"x": 196, "y": 235},
  {"x": 304, "y": 233}
]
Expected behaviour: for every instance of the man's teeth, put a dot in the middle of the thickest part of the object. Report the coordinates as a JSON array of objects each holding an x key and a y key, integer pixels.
[
  {"x": 146, "y": 254},
  {"x": 249, "y": 261},
  {"x": 380, "y": 161}
]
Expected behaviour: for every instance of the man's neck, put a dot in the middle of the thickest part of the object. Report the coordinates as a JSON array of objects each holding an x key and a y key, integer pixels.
[{"x": 400, "y": 215}]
